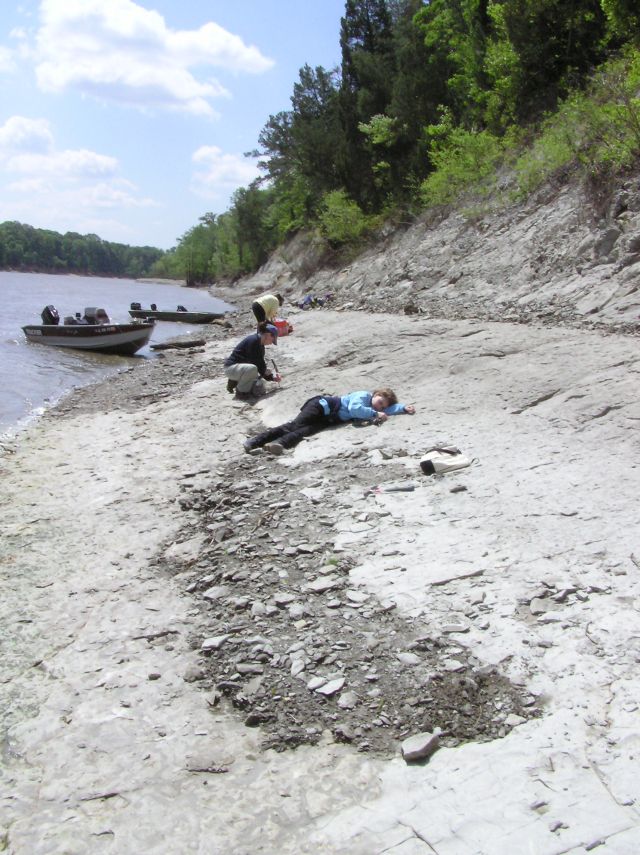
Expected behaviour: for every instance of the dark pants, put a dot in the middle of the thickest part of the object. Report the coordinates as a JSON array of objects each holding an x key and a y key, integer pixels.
[
  {"x": 311, "y": 419},
  {"x": 259, "y": 312}
]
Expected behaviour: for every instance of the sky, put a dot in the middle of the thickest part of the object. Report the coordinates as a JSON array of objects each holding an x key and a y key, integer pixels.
[{"x": 130, "y": 120}]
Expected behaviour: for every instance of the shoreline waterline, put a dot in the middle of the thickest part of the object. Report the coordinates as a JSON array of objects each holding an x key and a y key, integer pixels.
[{"x": 32, "y": 376}]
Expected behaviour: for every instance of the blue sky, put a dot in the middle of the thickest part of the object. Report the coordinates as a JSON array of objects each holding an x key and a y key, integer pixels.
[{"x": 129, "y": 120}]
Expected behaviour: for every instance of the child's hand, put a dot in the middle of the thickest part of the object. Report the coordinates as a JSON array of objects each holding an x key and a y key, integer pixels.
[
  {"x": 410, "y": 409},
  {"x": 379, "y": 418}
]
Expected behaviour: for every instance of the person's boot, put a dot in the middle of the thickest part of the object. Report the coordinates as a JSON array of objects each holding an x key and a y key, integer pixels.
[
  {"x": 231, "y": 386},
  {"x": 250, "y": 445},
  {"x": 274, "y": 448}
]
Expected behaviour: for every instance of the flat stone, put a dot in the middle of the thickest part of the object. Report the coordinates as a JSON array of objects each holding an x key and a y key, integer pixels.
[
  {"x": 249, "y": 668},
  {"x": 217, "y": 592},
  {"x": 420, "y": 746},
  {"x": 296, "y": 611},
  {"x": 357, "y": 596},
  {"x": 348, "y": 700},
  {"x": 331, "y": 687},
  {"x": 452, "y": 665},
  {"x": 538, "y": 606},
  {"x": 211, "y": 763},
  {"x": 307, "y": 548},
  {"x": 324, "y": 583},
  {"x": 298, "y": 666},
  {"x": 408, "y": 658},
  {"x": 193, "y": 674}
]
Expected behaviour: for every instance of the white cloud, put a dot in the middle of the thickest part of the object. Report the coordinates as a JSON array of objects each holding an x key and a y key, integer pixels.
[
  {"x": 6, "y": 60},
  {"x": 20, "y": 134},
  {"x": 79, "y": 164},
  {"x": 61, "y": 189},
  {"x": 118, "y": 51},
  {"x": 218, "y": 174},
  {"x": 117, "y": 194}
]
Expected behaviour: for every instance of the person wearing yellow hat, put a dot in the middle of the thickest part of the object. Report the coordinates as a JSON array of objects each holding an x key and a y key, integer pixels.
[{"x": 266, "y": 308}]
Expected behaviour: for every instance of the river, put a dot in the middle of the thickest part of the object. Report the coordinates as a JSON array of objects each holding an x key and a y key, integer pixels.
[{"x": 33, "y": 377}]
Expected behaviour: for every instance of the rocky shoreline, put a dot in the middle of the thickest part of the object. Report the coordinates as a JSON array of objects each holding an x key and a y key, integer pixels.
[
  {"x": 232, "y": 659},
  {"x": 259, "y": 569},
  {"x": 287, "y": 634}
]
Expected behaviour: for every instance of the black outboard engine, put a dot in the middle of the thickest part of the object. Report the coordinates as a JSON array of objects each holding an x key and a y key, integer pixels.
[
  {"x": 135, "y": 307},
  {"x": 181, "y": 309},
  {"x": 50, "y": 316}
]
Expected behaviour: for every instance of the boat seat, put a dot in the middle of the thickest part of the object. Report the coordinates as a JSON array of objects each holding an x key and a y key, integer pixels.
[{"x": 95, "y": 315}]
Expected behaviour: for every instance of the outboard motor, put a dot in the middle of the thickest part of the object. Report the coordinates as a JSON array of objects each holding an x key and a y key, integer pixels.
[
  {"x": 181, "y": 309},
  {"x": 136, "y": 307},
  {"x": 50, "y": 316}
]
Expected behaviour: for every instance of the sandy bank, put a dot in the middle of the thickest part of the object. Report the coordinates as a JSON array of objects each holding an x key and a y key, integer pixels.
[{"x": 114, "y": 739}]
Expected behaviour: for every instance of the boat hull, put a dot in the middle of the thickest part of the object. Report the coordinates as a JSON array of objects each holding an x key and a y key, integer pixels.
[
  {"x": 120, "y": 339},
  {"x": 180, "y": 317}
]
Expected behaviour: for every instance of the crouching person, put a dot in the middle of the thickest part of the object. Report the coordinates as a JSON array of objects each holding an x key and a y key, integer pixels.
[
  {"x": 246, "y": 366},
  {"x": 322, "y": 411}
]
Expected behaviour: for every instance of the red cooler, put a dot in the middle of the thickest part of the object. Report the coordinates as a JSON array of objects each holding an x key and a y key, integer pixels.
[{"x": 283, "y": 327}]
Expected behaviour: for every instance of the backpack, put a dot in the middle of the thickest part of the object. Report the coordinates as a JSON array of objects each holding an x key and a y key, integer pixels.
[{"x": 443, "y": 458}]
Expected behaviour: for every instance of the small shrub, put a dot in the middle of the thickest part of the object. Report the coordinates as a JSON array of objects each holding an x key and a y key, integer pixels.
[
  {"x": 341, "y": 220},
  {"x": 465, "y": 161},
  {"x": 599, "y": 130}
]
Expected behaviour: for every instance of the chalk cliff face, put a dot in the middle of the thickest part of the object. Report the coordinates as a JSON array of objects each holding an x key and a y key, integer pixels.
[{"x": 553, "y": 258}]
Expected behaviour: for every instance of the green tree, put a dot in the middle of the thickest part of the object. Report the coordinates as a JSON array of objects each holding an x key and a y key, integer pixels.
[
  {"x": 298, "y": 149},
  {"x": 368, "y": 66},
  {"x": 23, "y": 247},
  {"x": 540, "y": 50},
  {"x": 254, "y": 231},
  {"x": 623, "y": 20},
  {"x": 415, "y": 97},
  {"x": 455, "y": 34},
  {"x": 341, "y": 219}
]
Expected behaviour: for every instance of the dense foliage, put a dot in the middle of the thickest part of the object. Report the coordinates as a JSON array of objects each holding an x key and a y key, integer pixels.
[
  {"x": 25, "y": 248},
  {"x": 432, "y": 98}
]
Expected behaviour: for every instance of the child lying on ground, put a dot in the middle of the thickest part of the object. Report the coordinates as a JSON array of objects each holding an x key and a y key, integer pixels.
[{"x": 322, "y": 411}]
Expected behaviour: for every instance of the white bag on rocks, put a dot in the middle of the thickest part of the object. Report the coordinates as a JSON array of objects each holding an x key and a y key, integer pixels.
[{"x": 443, "y": 458}]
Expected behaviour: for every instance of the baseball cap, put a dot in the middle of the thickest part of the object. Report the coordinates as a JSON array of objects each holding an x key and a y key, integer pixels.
[{"x": 271, "y": 328}]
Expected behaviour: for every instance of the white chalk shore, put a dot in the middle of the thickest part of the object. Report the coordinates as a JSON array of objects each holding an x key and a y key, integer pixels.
[{"x": 100, "y": 724}]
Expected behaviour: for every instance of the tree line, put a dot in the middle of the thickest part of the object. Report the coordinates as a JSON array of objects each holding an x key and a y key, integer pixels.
[
  {"x": 427, "y": 95},
  {"x": 431, "y": 98},
  {"x": 26, "y": 248}
]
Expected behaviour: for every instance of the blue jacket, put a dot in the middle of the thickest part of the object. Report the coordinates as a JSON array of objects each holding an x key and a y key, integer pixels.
[{"x": 357, "y": 405}]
